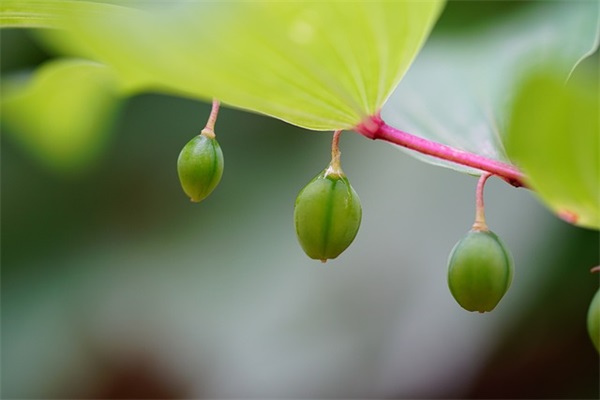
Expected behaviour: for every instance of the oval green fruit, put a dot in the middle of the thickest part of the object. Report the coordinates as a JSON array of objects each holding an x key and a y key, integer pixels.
[
  {"x": 200, "y": 167},
  {"x": 593, "y": 320},
  {"x": 327, "y": 216},
  {"x": 480, "y": 270}
]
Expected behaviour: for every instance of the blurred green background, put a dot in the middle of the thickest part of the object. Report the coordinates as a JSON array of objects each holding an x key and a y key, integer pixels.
[{"x": 114, "y": 285}]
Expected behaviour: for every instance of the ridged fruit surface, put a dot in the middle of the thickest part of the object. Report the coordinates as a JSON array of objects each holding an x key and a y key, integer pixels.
[
  {"x": 480, "y": 270},
  {"x": 200, "y": 167},
  {"x": 327, "y": 216}
]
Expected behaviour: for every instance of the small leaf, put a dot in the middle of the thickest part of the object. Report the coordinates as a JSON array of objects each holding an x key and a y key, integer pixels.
[
  {"x": 319, "y": 65},
  {"x": 458, "y": 91},
  {"x": 554, "y": 135},
  {"x": 63, "y": 112}
]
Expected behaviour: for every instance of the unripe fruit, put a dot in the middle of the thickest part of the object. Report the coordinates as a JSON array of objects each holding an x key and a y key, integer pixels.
[
  {"x": 593, "y": 320},
  {"x": 327, "y": 215},
  {"x": 480, "y": 270},
  {"x": 200, "y": 166}
]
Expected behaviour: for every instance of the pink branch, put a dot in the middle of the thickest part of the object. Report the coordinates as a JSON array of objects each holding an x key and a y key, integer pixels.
[{"x": 375, "y": 128}]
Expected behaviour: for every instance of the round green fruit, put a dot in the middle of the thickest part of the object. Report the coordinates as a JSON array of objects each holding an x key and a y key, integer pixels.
[
  {"x": 327, "y": 216},
  {"x": 593, "y": 320},
  {"x": 200, "y": 167},
  {"x": 480, "y": 270}
]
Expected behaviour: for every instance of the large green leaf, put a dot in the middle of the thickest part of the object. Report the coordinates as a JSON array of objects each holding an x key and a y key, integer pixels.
[
  {"x": 63, "y": 112},
  {"x": 554, "y": 135},
  {"x": 319, "y": 65},
  {"x": 459, "y": 89}
]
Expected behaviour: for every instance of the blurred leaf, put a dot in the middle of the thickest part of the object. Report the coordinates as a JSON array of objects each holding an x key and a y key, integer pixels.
[
  {"x": 459, "y": 89},
  {"x": 319, "y": 65},
  {"x": 554, "y": 135},
  {"x": 62, "y": 44},
  {"x": 63, "y": 112},
  {"x": 30, "y": 14},
  {"x": 38, "y": 13}
]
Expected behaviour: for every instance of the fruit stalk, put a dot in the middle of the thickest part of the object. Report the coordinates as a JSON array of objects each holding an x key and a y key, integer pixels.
[
  {"x": 480, "y": 224},
  {"x": 335, "y": 166},
  {"x": 209, "y": 129}
]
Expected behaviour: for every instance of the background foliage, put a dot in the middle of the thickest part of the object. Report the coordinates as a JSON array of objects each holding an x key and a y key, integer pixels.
[{"x": 114, "y": 285}]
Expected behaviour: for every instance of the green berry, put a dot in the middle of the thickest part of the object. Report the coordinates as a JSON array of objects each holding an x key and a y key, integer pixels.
[
  {"x": 480, "y": 270},
  {"x": 327, "y": 215},
  {"x": 593, "y": 320},
  {"x": 200, "y": 166}
]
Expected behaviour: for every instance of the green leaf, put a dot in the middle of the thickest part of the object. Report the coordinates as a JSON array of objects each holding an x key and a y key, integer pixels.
[
  {"x": 30, "y": 14},
  {"x": 63, "y": 112},
  {"x": 319, "y": 65},
  {"x": 554, "y": 135},
  {"x": 459, "y": 89},
  {"x": 40, "y": 13}
]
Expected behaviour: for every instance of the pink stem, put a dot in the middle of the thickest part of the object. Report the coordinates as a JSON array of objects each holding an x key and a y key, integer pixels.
[
  {"x": 335, "y": 166},
  {"x": 212, "y": 119},
  {"x": 375, "y": 128},
  {"x": 335, "y": 149},
  {"x": 480, "y": 224}
]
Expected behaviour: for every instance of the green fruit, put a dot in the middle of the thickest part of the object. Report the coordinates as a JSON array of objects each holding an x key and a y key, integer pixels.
[
  {"x": 200, "y": 166},
  {"x": 480, "y": 270},
  {"x": 327, "y": 215},
  {"x": 593, "y": 320}
]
